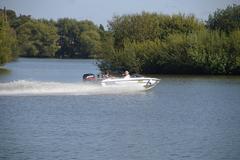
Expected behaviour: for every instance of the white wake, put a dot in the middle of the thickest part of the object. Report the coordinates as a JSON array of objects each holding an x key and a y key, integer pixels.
[{"x": 24, "y": 87}]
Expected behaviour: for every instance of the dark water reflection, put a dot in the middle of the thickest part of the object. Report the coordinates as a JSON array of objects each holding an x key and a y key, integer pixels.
[{"x": 183, "y": 118}]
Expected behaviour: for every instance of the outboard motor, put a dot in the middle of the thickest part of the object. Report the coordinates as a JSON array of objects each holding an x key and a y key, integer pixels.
[{"x": 89, "y": 77}]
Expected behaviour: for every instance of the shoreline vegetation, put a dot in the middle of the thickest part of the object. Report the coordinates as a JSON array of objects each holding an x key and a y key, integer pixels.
[
  {"x": 4, "y": 70},
  {"x": 147, "y": 43}
]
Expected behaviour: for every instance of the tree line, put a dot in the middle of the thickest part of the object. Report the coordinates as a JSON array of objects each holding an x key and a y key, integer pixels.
[
  {"x": 65, "y": 38},
  {"x": 177, "y": 44},
  {"x": 142, "y": 43}
]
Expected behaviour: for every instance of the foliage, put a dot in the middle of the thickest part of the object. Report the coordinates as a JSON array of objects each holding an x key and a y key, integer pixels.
[
  {"x": 66, "y": 38},
  {"x": 156, "y": 43},
  {"x": 10, "y": 15},
  {"x": 8, "y": 41},
  {"x": 202, "y": 52},
  {"x": 234, "y": 52},
  {"x": 150, "y": 26},
  {"x": 78, "y": 38},
  {"x": 37, "y": 39},
  {"x": 120, "y": 60},
  {"x": 226, "y": 20},
  {"x": 145, "y": 42}
]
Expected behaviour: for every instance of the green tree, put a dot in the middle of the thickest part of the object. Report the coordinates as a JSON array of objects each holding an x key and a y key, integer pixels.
[
  {"x": 38, "y": 39},
  {"x": 225, "y": 19},
  {"x": 80, "y": 39},
  {"x": 210, "y": 51},
  {"x": 10, "y": 15},
  {"x": 107, "y": 42},
  {"x": 8, "y": 47},
  {"x": 234, "y": 52},
  {"x": 150, "y": 26},
  {"x": 90, "y": 43}
]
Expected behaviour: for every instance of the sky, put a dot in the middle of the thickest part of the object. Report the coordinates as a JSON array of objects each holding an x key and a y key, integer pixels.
[{"x": 101, "y": 11}]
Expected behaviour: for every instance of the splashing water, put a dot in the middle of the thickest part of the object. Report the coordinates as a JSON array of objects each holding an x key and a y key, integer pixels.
[{"x": 23, "y": 87}]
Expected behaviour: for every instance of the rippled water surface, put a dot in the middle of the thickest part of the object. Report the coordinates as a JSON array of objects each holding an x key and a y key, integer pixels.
[{"x": 46, "y": 112}]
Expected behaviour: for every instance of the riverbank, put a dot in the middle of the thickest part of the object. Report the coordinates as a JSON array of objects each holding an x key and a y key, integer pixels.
[{"x": 4, "y": 70}]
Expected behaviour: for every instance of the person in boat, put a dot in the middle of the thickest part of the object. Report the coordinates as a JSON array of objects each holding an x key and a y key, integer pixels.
[
  {"x": 106, "y": 75},
  {"x": 126, "y": 74}
]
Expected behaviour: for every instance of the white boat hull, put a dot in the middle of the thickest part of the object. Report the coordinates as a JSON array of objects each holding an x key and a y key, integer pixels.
[{"x": 143, "y": 82}]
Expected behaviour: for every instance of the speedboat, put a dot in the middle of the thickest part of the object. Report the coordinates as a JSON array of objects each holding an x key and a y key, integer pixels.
[
  {"x": 135, "y": 81},
  {"x": 144, "y": 83}
]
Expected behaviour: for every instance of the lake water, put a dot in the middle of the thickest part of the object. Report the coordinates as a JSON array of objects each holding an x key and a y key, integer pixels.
[{"x": 47, "y": 112}]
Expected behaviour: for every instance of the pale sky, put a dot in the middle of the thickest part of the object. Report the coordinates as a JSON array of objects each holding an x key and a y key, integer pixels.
[{"x": 100, "y": 11}]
